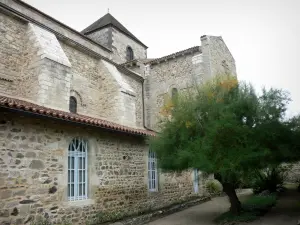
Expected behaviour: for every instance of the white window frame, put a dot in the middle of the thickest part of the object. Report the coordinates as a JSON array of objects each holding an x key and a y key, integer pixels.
[
  {"x": 152, "y": 172},
  {"x": 196, "y": 180},
  {"x": 78, "y": 157}
]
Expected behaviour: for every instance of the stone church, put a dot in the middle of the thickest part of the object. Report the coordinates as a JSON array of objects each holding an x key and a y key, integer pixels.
[{"x": 76, "y": 109}]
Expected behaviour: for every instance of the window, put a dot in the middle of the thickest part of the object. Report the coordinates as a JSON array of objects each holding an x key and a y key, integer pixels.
[
  {"x": 129, "y": 53},
  {"x": 174, "y": 94},
  {"x": 152, "y": 172},
  {"x": 73, "y": 105},
  {"x": 77, "y": 170},
  {"x": 196, "y": 181}
]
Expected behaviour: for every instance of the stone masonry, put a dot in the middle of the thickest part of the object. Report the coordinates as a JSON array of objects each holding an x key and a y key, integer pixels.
[
  {"x": 44, "y": 63},
  {"x": 33, "y": 166}
]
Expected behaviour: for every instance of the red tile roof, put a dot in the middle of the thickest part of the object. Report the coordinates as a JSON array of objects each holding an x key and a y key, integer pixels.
[{"x": 25, "y": 106}]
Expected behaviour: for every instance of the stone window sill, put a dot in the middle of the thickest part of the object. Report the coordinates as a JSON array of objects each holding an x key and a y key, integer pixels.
[{"x": 79, "y": 203}]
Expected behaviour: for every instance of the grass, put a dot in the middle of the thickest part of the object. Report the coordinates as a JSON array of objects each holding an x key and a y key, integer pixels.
[{"x": 252, "y": 208}]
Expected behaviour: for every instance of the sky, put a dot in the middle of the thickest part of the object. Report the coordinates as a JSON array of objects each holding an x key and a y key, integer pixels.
[{"x": 262, "y": 35}]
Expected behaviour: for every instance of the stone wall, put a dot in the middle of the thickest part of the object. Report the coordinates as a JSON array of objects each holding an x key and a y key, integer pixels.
[
  {"x": 34, "y": 63},
  {"x": 46, "y": 70},
  {"x": 182, "y": 73},
  {"x": 120, "y": 42},
  {"x": 216, "y": 57},
  {"x": 293, "y": 174},
  {"x": 12, "y": 33},
  {"x": 56, "y": 27},
  {"x": 95, "y": 87},
  {"x": 103, "y": 36},
  {"x": 39, "y": 68},
  {"x": 33, "y": 172},
  {"x": 137, "y": 100}
]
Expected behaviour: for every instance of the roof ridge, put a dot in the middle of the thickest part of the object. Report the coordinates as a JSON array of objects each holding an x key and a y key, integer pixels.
[
  {"x": 25, "y": 106},
  {"x": 191, "y": 49},
  {"x": 65, "y": 26},
  {"x": 107, "y": 20}
]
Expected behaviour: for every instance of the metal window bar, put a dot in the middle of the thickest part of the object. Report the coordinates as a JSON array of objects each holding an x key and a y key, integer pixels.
[
  {"x": 77, "y": 170},
  {"x": 152, "y": 172}
]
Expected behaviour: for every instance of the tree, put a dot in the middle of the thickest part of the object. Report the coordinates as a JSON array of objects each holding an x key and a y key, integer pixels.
[{"x": 224, "y": 128}]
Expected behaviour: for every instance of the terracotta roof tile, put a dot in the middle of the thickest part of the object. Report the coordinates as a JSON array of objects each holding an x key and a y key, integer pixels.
[{"x": 25, "y": 106}]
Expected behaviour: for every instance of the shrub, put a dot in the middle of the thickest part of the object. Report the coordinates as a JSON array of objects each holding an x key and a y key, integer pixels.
[
  {"x": 259, "y": 202},
  {"x": 271, "y": 179},
  {"x": 102, "y": 217},
  {"x": 45, "y": 221},
  {"x": 213, "y": 187}
]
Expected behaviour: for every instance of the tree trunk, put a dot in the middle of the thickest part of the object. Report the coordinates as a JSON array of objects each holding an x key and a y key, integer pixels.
[{"x": 235, "y": 204}]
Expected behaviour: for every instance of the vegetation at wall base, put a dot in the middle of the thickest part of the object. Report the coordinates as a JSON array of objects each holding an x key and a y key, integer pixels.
[{"x": 253, "y": 208}]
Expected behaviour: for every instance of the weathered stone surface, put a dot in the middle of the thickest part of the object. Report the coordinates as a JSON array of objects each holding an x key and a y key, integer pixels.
[
  {"x": 20, "y": 192},
  {"x": 19, "y": 155},
  {"x": 37, "y": 165},
  {"x": 52, "y": 190},
  {"x": 34, "y": 152},
  {"x": 27, "y": 201},
  {"x": 117, "y": 184},
  {"x": 5, "y": 194},
  {"x": 4, "y": 213},
  {"x": 30, "y": 154},
  {"x": 15, "y": 212},
  {"x": 28, "y": 219}
]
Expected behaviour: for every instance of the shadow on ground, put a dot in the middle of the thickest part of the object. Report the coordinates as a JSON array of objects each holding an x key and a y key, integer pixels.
[
  {"x": 286, "y": 212},
  {"x": 202, "y": 214}
]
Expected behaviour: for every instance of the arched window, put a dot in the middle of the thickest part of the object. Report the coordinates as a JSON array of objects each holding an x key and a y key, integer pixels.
[
  {"x": 174, "y": 93},
  {"x": 152, "y": 172},
  {"x": 129, "y": 53},
  {"x": 73, "y": 105},
  {"x": 77, "y": 170}
]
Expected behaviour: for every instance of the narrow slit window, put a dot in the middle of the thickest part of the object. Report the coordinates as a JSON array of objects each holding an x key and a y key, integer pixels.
[
  {"x": 174, "y": 94},
  {"x": 129, "y": 53},
  {"x": 73, "y": 105},
  {"x": 77, "y": 170}
]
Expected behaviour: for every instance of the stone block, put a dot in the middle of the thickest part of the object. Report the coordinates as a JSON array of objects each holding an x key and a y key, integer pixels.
[
  {"x": 5, "y": 194},
  {"x": 37, "y": 165}
]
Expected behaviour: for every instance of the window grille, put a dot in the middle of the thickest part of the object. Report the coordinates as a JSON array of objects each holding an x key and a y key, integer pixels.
[
  {"x": 152, "y": 172},
  {"x": 77, "y": 170}
]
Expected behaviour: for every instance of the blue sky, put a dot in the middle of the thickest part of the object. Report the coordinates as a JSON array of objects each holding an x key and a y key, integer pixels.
[{"x": 263, "y": 35}]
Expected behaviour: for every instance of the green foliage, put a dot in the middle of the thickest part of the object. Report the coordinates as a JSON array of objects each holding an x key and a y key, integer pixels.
[
  {"x": 213, "y": 187},
  {"x": 252, "y": 208},
  {"x": 269, "y": 179},
  {"x": 45, "y": 221},
  {"x": 102, "y": 217},
  {"x": 226, "y": 128},
  {"x": 259, "y": 202}
]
